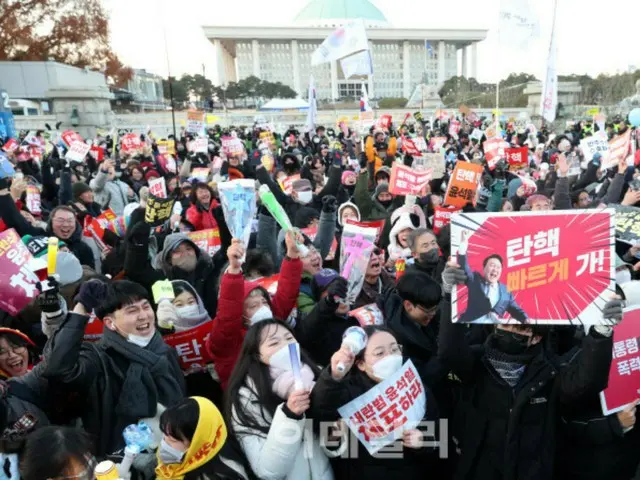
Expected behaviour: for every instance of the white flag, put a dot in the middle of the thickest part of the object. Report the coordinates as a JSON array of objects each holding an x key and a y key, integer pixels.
[
  {"x": 364, "y": 100},
  {"x": 346, "y": 40},
  {"x": 549, "y": 96},
  {"x": 518, "y": 24},
  {"x": 313, "y": 107},
  {"x": 357, "y": 64}
]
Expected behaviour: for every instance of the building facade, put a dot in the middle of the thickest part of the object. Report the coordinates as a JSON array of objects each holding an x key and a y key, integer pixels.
[
  {"x": 401, "y": 59},
  {"x": 146, "y": 89}
]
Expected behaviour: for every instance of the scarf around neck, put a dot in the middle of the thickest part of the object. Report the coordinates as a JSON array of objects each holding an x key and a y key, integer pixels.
[{"x": 150, "y": 377}]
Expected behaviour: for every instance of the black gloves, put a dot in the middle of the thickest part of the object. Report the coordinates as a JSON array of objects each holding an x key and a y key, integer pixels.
[
  {"x": 139, "y": 234},
  {"x": 337, "y": 291},
  {"x": 48, "y": 300},
  {"x": 91, "y": 294},
  {"x": 329, "y": 204}
]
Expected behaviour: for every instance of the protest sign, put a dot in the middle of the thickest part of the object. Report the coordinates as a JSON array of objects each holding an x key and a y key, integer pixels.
[
  {"x": 454, "y": 128},
  {"x": 195, "y": 122},
  {"x": 463, "y": 109},
  {"x": 94, "y": 328},
  {"x": 10, "y": 145},
  {"x": 131, "y": 143},
  {"x": 477, "y": 134},
  {"x": 312, "y": 232},
  {"x": 33, "y": 199},
  {"x": 238, "y": 198},
  {"x": 517, "y": 157},
  {"x": 624, "y": 373},
  {"x": 436, "y": 143},
  {"x": 70, "y": 136},
  {"x": 97, "y": 153},
  {"x": 6, "y": 167},
  {"x": 232, "y": 146},
  {"x": 407, "y": 181},
  {"x": 158, "y": 187},
  {"x": 287, "y": 184},
  {"x": 377, "y": 224},
  {"x": 548, "y": 267},
  {"x": 199, "y": 145},
  {"x": 77, "y": 151},
  {"x": 494, "y": 150},
  {"x": 158, "y": 210},
  {"x": 409, "y": 147},
  {"x": 162, "y": 290},
  {"x": 442, "y": 217},
  {"x": 463, "y": 184},
  {"x": 491, "y": 132},
  {"x": 442, "y": 115},
  {"x": 167, "y": 147},
  {"x": 627, "y": 223},
  {"x": 368, "y": 315},
  {"x": 201, "y": 173},
  {"x": 431, "y": 161},
  {"x": 355, "y": 249},
  {"x": 17, "y": 281},
  {"x": 268, "y": 138},
  {"x": 379, "y": 416},
  {"x": 618, "y": 149},
  {"x": 190, "y": 346},
  {"x": 595, "y": 144},
  {"x": 385, "y": 121},
  {"x": 207, "y": 240}
]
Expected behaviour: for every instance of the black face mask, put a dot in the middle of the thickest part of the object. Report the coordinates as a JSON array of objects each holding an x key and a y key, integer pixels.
[
  {"x": 510, "y": 343},
  {"x": 432, "y": 257},
  {"x": 385, "y": 203}
]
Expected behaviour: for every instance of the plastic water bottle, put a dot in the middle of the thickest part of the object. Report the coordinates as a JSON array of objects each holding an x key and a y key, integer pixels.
[{"x": 137, "y": 437}]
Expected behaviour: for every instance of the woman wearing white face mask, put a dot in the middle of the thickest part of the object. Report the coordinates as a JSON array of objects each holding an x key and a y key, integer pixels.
[
  {"x": 381, "y": 358},
  {"x": 242, "y": 304},
  {"x": 266, "y": 407}
]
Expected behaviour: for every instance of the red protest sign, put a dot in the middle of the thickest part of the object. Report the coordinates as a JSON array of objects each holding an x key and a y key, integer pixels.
[
  {"x": 442, "y": 217},
  {"x": 454, "y": 128},
  {"x": 207, "y": 240},
  {"x": 377, "y": 224},
  {"x": 494, "y": 149},
  {"x": 11, "y": 145},
  {"x": 190, "y": 346},
  {"x": 624, "y": 373},
  {"x": 409, "y": 147},
  {"x": 69, "y": 136},
  {"x": 97, "y": 153},
  {"x": 549, "y": 267},
  {"x": 385, "y": 121},
  {"x": 463, "y": 184},
  {"x": 517, "y": 157},
  {"x": 158, "y": 187},
  {"x": 619, "y": 148},
  {"x": 17, "y": 281},
  {"x": 311, "y": 232},
  {"x": 94, "y": 328},
  {"x": 368, "y": 315},
  {"x": 287, "y": 183},
  {"x": 436, "y": 143},
  {"x": 130, "y": 143},
  {"x": 407, "y": 181},
  {"x": 33, "y": 200}
]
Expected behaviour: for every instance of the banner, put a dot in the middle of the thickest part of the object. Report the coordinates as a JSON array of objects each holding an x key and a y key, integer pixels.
[
  {"x": 158, "y": 210},
  {"x": 442, "y": 217},
  {"x": 494, "y": 151},
  {"x": 232, "y": 146},
  {"x": 77, "y": 151},
  {"x": 407, "y": 181},
  {"x": 17, "y": 281},
  {"x": 517, "y": 157},
  {"x": 190, "y": 346},
  {"x": 618, "y": 149},
  {"x": 33, "y": 199},
  {"x": 624, "y": 373},
  {"x": 312, "y": 232},
  {"x": 597, "y": 143},
  {"x": 368, "y": 315},
  {"x": 549, "y": 97},
  {"x": 346, "y": 40},
  {"x": 158, "y": 187},
  {"x": 546, "y": 267},
  {"x": 207, "y": 240},
  {"x": 377, "y": 224},
  {"x": 131, "y": 143},
  {"x": 356, "y": 246},
  {"x": 463, "y": 184},
  {"x": 195, "y": 122},
  {"x": 627, "y": 223},
  {"x": 379, "y": 416}
]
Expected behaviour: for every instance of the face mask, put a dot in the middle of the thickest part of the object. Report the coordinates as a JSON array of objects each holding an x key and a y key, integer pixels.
[
  {"x": 510, "y": 343},
  {"x": 139, "y": 340},
  {"x": 168, "y": 454},
  {"x": 281, "y": 360},
  {"x": 623, "y": 276},
  {"x": 305, "y": 197},
  {"x": 386, "y": 367},
  {"x": 385, "y": 203},
  {"x": 188, "y": 311},
  {"x": 185, "y": 262},
  {"x": 430, "y": 257},
  {"x": 443, "y": 186},
  {"x": 263, "y": 313}
]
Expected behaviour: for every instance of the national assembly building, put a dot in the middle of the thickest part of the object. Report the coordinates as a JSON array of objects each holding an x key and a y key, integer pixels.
[{"x": 403, "y": 58}]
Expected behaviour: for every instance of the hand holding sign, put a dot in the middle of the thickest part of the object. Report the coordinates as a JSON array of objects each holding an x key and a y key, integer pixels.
[{"x": 235, "y": 254}]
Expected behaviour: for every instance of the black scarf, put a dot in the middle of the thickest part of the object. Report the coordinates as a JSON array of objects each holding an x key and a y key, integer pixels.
[{"x": 151, "y": 376}]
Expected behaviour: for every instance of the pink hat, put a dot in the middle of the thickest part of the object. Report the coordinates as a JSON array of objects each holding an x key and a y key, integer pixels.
[{"x": 346, "y": 174}]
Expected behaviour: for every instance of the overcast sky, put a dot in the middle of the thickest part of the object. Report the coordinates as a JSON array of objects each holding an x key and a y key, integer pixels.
[{"x": 593, "y": 37}]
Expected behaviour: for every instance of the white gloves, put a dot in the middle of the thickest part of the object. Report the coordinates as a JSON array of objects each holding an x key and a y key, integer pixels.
[{"x": 167, "y": 315}]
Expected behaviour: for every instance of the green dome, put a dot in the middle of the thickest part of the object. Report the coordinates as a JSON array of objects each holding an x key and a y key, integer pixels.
[{"x": 338, "y": 11}]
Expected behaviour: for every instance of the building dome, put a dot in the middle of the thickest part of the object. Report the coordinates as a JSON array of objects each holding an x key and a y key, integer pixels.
[{"x": 332, "y": 13}]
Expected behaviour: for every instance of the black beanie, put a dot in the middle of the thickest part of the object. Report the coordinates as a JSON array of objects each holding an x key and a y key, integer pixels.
[{"x": 79, "y": 188}]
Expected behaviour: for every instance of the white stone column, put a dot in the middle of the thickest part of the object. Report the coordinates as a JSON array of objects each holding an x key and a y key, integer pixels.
[
  {"x": 464, "y": 61},
  {"x": 295, "y": 59},
  {"x": 256, "y": 58},
  {"x": 370, "y": 93},
  {"x": 406, "y": 70},
  {"x": 474, "y": 60},
  {"x": 334, "y": 80},
  {"x": 441, "y": 58},
  {"x": 220, "y": 66}
]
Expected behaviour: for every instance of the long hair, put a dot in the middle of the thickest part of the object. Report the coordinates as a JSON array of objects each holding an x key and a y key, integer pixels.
[{"x": 249, "y": 372}]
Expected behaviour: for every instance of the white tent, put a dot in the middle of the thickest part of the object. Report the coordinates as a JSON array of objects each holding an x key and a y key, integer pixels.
[{"x": 279, "y": 104}]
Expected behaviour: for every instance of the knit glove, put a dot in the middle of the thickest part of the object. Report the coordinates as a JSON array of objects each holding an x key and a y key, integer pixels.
[
  {"x": 48, "y": 300},
  {"x": 337, "y": 291},
  {"x": 91, "y": 294},
  {"x": 453, "y": 276},
  {"x": 166, "y": 314},
  {"x": 612, "y": 314},
  {"x": 329, "y": 204}
]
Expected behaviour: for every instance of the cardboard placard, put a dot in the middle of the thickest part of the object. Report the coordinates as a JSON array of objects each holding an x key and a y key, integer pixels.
[
  {"x": 195, "y": 122},
  {"x": 442, "y": 217},
  {"x": 207, "y": 240},
  {"x": 158, "y": 187},
  {"x": 158, "y": 210},
  {"x": 190, "y": 346},
  {"x": 517, "y": 157},
  {"x": 463, "y": 184},
  {"x": 17, "y": 281},
  {"x": 368, "y": 315},
  {"x": 77, "y": 152},
  {"x": 407, "y": 181},
  {"x": 377, "y": 224}
]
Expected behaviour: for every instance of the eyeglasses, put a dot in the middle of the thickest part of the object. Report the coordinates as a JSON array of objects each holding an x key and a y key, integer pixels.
[
  {"x": 17, "y": 350},
  {"x": 428, "y": 311},
  {"x": 382, "y": 352},
  {"x": 64, "y": 221}
]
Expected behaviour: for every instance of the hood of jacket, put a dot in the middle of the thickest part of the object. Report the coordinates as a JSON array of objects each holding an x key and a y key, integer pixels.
[{"x": 162, "y": 261}]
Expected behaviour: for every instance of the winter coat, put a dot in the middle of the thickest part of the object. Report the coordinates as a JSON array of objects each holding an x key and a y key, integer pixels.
[
  {"x": 113, "y": 194},
  {"x": 228, "y": 329},
  {"x": 370, "y": 293},
  {"x": 507, "y": 433},
  {"x": 288, "y": 452},
  {"x": 201, "y": 218}
]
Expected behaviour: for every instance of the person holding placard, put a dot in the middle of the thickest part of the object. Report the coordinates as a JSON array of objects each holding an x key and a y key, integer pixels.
[
  {"x": 109, "y": 191},
  {"x": 200, "y": 212}
]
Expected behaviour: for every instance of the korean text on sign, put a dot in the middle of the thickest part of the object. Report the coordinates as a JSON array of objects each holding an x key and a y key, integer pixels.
[
  {"x": 406, "y": 181},
  {"x": 463, "y": 184},
  {"x": 379, "y": 416},
  {"x": 190, "y": 346}
]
